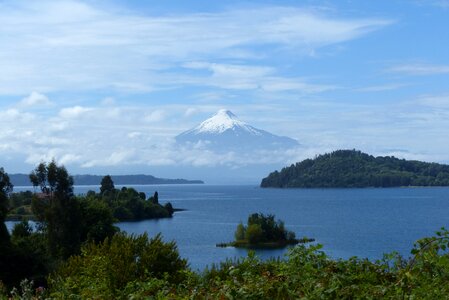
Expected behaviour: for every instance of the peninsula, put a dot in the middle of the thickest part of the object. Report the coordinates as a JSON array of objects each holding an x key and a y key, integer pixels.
[{"x": 355, "y": 169}]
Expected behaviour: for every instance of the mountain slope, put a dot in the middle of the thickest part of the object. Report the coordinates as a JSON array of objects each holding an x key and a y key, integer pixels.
[
  {"x": 224, "y": 131},
  {"x": 351, "y": 168}
]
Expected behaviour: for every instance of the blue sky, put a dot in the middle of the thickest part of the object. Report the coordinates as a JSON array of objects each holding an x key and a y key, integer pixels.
[{"x": 104, "y": 86}]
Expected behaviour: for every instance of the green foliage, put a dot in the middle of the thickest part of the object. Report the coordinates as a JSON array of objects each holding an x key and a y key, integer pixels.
[
  {"x": 97, "y": 221},
  {"x": 135, "y": 267},
  {"x": 127, "y": 204},
  {"x": 351, "y": 168},
  {"x": 6, "y": 250},
  {"x": 155, "y": 198},
  {"x": 5, "y": 190},
  {"x": 64, "y": 222},
  {"x": 262, "y": 230},
  {"x": 57, "y": 209},
  {"x": 240, "y": 232},
  {"x": 20, "y": 199},
  {"x": 105, "y": 270},
  {"x": 107, "y": 185},
  {"x": 254, "y": 234}
]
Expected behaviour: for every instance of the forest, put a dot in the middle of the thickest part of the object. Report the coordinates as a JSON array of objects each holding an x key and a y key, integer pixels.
[{"x": 355, "y": 169}]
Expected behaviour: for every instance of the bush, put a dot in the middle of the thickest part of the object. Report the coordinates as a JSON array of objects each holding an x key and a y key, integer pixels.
[{"x": 103, "y": 270}]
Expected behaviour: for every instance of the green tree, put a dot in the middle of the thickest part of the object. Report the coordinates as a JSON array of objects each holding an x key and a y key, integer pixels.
[
  {"x": 107, "y": 185},
  {"x": 57, "y": 209},
  {"x": 5, "y": 190},
  {"x": 240, "y": 232},
  {"x": 5, "y": 243},
  {"x": 97, "y": 220},
  {"x": 254, "y": 234}
]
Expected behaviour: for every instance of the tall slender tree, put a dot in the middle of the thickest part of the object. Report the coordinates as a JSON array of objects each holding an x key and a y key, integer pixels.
[
  {"x": 107, "y": 185},
  {"x": 57, "y": 208}
]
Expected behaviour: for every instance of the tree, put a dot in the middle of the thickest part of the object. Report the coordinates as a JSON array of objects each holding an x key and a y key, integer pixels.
[
  {"x": 5, "y": 190},
  {"x": 107, "y": 185},
  {"x": 240, "y": 232},
  {"x": 155, "y": 198},
  {"x": 169, "y": 208},
  {"x": 97, "y": 220},
  {"x": 57, "y": 210},
  {"x": 254, "y": 234}
]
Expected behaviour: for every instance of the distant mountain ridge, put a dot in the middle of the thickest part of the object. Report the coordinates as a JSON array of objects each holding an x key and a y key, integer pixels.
[
  {"x": 224, "y": 131},
  {"x": 352, "y": 168},
  {"x": 23, "y": 180}
]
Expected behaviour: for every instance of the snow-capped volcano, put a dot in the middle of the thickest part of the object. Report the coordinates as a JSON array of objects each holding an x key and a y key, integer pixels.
[
  {"x": 224, "y": 131},
  {"x": 220, "y": 122}
]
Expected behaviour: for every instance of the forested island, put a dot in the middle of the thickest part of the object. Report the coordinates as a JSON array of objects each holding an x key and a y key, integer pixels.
[
  {"x": 24, "y": 180},
  {"x": 263, "y": 231},
  {"x": 355, "y": 169}
]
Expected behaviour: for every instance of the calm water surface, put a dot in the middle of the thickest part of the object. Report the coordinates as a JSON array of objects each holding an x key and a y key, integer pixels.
[{"x": 348, "y": 222}]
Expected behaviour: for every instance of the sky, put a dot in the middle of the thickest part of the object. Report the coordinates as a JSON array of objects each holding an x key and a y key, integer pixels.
[{"x": 103, "y": 87}]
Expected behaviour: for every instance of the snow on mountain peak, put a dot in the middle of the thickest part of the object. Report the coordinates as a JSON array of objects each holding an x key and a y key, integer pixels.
[
  {"x": 220, "y": 122},
  {"x": 225, "y": 132}
]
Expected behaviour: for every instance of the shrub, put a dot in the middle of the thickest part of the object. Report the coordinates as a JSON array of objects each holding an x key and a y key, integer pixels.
[{"x": 103, "y": 270}]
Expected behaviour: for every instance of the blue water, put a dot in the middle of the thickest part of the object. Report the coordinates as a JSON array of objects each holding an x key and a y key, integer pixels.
[{"x": 348, "y": 222}]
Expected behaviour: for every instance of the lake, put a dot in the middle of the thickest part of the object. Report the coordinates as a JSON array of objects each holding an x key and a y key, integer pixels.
[{"x": 348, "y": 222}]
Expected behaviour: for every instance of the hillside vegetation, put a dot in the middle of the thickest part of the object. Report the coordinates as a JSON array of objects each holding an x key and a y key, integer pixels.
[{"x": 352, "y": 168}]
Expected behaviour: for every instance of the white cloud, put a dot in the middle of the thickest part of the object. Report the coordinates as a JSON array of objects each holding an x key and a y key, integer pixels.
[
  {"x": 34, "y": 99},
  {"x": 87, "y": 139},
  {"x": 73, "y": 112},
  {"x": 190, "y": 111},
  {"x": 70, "y": 45},
  {"x": 115, "y": 158},
  {"x": 246, "y": 77},
  {"x": 134, "y": 134},
  {"x": 155, "y": 116},
  {"x": 420, "y": 69}
]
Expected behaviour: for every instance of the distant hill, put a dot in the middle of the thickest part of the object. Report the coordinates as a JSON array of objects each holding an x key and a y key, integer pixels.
[
  {"x": 23, "y": 180},
  {"x": 352, "y": 168}
]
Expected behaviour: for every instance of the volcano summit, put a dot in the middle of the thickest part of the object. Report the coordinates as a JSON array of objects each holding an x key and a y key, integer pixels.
[{"x": 224, "y": 131}]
